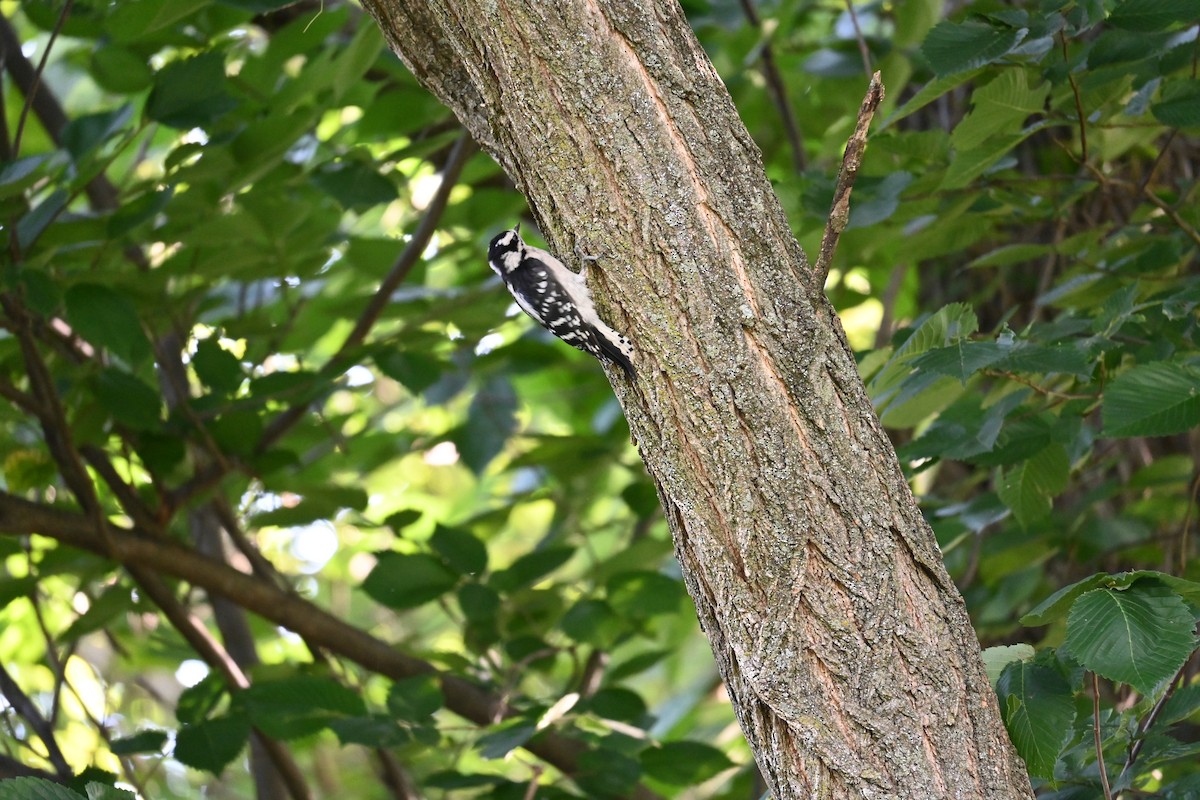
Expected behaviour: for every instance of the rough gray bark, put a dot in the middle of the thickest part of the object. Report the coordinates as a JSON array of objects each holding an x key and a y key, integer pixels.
[{"x": 844, "y": 645}]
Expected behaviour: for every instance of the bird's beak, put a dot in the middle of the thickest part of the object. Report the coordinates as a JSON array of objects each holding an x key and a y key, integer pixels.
[{"x": 517, "y": 229}]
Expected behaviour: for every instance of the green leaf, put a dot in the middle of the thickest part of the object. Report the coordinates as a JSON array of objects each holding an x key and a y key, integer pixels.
[
  {"x": 147, "y": 741},
  {"x": 683, "y": 763},
  {"x": 491, "y": 422},
  {"x": 605, "y": 772},
  {"x": 107, "y": 318},
  {"x": 502, "y": 739},
  {"x": 1038, "y": 709},
  {"x": 995, "y": 659},
  {"x": 210, "y": 745},
  {"x": 461, "y": 549},
  {"x": 113, "y": 602},
  {"x": 190, "y": 92},
  {"x": 1180, "y": 106},
  {"x": 85, "y": 133},
  {"x": 1000, "y": 107},
  {"x": 356, "y": 59},
  {"x": 962, "y": 359},
  {"x": 1158, "y": 399},
  {"x": 373, "y": 730},
  {"x": 199, "y": 700},
  {"x": 1151, "y": 15},
  {"x": 415, "y": 699},
  {"x": 217, "y": 368},
  {"x": 31, "y": 226},
  {"x": 317, "y": 502},
  {"x": 129, "y": 401},
  {"x": 355, "y": 185},
  {"x": 35, "y": 789},
  {"x": 1059, "y": 604},
  {"x": 1029, "y": 487},
  {"x": 416, "y": 371},
  {"x": 120, "y": 70},
  {"x": 956, "y": 47},
  {"x": 642, "y": 593},
  {"x": 1140, "y": 636},
  {"x": 103, "y": 791},
  {"x": 407, "y": 581},
  {"x": 592, "y": 622},
  {"x": 298, "y": 706},
  {"x": 530, "y": 567}
]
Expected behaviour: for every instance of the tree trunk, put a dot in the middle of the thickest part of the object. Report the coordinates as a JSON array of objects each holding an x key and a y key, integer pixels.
[{"x": 844, "y": 645}]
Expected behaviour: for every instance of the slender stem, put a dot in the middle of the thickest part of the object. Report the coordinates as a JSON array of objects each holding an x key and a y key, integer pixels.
[
  {"x": 839, "y": 213},
  {"x": 1096, "y": 735},
  {"x": 409, "y": 258},
  {"x": 1083, "y": 144},
  {"x": 37, "y": 77},
  {"x": 778, "y": 89},
  {"x": 863, "y": 50}
]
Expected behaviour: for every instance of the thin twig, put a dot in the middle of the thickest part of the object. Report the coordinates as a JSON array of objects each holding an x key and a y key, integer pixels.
[
  {"x": 409, "y": 258},
  {"x": 778, "y": 89},
  {"x": 38, "y": 723},
  {"x": 1135, "y": 748},
  {"x": 1083, "y": 145},
  {"x": 839, "y": 213},
  {"x": 211, "y": 651},
  {"x": 863, "y": 50},
  {"x": 1096, "y": 734},
  {"x": 37, "y": 77}
]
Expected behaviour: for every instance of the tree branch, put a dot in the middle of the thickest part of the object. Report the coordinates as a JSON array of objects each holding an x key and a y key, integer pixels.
[
  {"x": 40, "y": 725},
  {"x": 839, "y": 214},
  {"x": 411, "y": 255},
  {"x": 22, "y": 517},
  {"x": 777, "y": 88}
]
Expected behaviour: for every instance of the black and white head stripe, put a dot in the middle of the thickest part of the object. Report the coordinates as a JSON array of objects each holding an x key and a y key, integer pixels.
[{"x": 557, "y": 298}]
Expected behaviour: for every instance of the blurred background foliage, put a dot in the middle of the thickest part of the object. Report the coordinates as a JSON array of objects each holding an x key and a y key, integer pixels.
[{"x": 200, "y": 204}]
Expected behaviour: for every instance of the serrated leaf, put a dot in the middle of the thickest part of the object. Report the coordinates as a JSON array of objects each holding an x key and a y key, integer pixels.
[
  {"x": 1180, "y": 106},
  {"x": 103, "y": 791},
  {"x": 1157, "y": 399},
  {"x": 107, "y": 318},
  {"x": 962, "y": 359},
  {"x": 956, "y": 47},
  {"x": 198, "y": 700},
  {"x": 1151, "y": 15},
  {"x": 995, "y": 659},
  {"x": 210, "y": 745},
  {"x": 1140, "y": 636},
  {"x": 1038, "y": 709},
  {"x": 999, "y": 107},
  {"x": 1028, "y": 488},
  {"x": 408, "y": 580},
  {"x": 35, "y": 789},
  {"x": 683, "y": 763}
]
